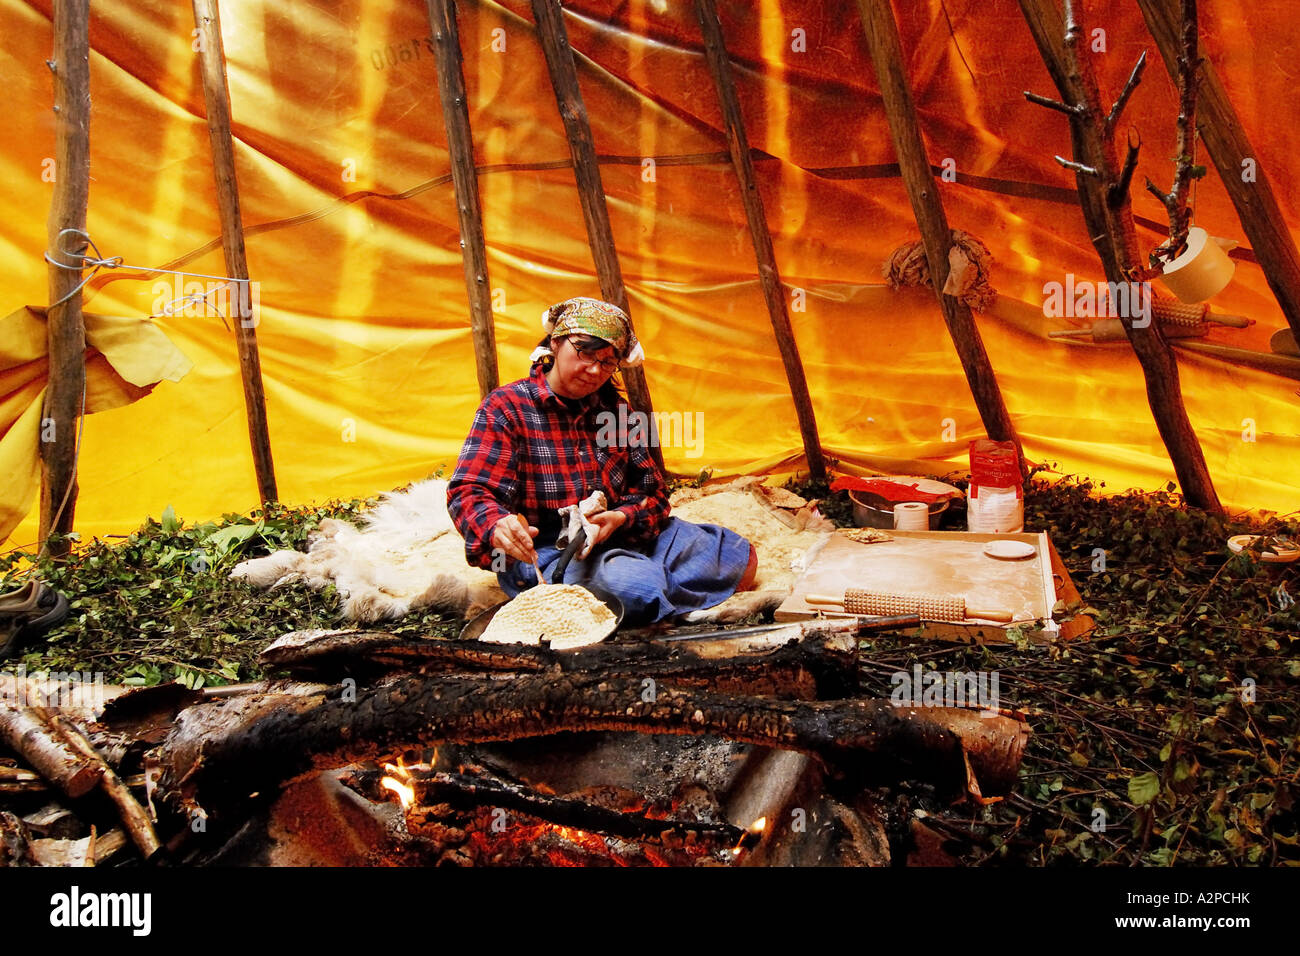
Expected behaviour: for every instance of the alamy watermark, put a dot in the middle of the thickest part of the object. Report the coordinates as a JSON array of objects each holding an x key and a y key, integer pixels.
[
  {"x": 71, "y": 689},
  {"x": 1082, "y": 298},
  {"x": 922, "y": 688},
  {"x": 634, "y": 429},
  {"x": 217, "y": 299}
]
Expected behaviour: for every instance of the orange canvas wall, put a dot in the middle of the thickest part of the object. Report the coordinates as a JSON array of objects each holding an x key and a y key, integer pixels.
[{"x": 352, "y": 236}]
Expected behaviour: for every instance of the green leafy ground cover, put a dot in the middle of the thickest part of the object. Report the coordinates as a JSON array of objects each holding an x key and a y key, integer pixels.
[{"x": 1170, "y": 737}]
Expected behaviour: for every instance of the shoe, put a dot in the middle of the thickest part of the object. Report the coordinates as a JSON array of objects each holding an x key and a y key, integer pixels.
[
  {"x": 21, "y": 597},
  {"x": 27, "y": 612}
]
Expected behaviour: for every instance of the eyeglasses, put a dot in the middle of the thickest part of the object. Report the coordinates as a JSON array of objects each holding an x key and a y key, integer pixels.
[{"x": 587, "y": 354}]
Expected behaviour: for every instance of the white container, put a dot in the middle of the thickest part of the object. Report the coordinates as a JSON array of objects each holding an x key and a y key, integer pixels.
[
  {"x": 1202, "y": 271},
  {"x": 912, "y": 516},
  {"x": 995, "y": 510}
]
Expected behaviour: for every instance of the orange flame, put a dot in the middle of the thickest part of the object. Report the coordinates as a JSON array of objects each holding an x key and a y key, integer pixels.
[{"x": 405, "y": 792}]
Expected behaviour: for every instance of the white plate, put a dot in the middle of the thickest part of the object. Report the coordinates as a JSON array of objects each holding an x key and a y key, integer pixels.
[
  {"x": 1239, "y": 542},
  {"x": 1010, "y": 550}
]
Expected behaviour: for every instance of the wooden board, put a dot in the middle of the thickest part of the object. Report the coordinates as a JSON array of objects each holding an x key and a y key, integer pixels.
[{"x": 949, "y": 563}]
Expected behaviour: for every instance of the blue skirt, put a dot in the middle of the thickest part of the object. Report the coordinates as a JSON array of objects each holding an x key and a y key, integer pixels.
[{"x": 686, "y": 568}]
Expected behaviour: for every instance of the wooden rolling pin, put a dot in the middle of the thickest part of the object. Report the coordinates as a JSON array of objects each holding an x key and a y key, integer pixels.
[
  {"x": 1173, "y": 312},
  {"x": 1177, "y": 320},
  {"x": 927, "y": 607}
]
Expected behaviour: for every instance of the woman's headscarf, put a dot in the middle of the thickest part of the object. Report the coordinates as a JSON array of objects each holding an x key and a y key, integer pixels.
[{"x": 601, "y": 320}]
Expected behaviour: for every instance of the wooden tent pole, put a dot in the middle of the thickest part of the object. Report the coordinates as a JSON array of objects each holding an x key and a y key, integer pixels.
[
  {"x": 887, "y": 57},
  {"x": 769, "y": 276},
  {"x": 1103, "y": 195},
  {"x": 65, "y": 330},
  {"x": 591, "y": 193},
  {"x": 460, "y": 144},
  {"x": 216, "y": 93},
  {"x": 1229, "y": 148}
]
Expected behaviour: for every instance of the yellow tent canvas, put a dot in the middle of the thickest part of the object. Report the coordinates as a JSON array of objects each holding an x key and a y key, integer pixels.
[{"x": 354, "y": 249}]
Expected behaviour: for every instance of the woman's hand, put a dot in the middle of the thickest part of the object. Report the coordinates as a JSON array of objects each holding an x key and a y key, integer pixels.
[
  {"x": 607, "y": 522},
  {"x": 513, "y": 535}
]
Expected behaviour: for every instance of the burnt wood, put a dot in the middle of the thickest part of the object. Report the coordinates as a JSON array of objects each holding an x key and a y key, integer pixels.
[
  {"x": 824, "y": 664},
  {"x": 219, "y": 754},
  {"x": 466, "y": 792}
]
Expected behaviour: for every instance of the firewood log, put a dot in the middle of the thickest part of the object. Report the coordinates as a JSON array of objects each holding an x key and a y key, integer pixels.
[
  {"x": 220, "y": 753},
  {"x": 26, "y": 732}
]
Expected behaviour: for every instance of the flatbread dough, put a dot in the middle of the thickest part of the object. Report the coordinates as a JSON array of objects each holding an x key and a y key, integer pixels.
[
  {"x": 866, "y": 535},
  {"x": 565, "y": 614}
]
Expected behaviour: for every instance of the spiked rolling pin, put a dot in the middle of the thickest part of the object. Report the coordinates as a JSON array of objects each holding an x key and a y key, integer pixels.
[
  {"x": 1177, "y": 320},
  {"x": 927, "y": 607}
]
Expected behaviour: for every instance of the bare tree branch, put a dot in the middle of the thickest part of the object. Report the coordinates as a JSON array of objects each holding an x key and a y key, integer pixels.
[
  {"x": 1051, "y": 104},
  {"x": 1077, "y": 167},
  {"x": 1175, "y": 201},
  {"x": 1134, "y": 79},
  {"x": 1120, "y": 187}
]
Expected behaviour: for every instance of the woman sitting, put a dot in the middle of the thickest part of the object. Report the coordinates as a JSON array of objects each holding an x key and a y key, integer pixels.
[{"x": 544, "y": 443}]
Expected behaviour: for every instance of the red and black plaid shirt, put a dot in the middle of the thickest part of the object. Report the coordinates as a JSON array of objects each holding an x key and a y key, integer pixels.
[{"x": 530, "y": 451}]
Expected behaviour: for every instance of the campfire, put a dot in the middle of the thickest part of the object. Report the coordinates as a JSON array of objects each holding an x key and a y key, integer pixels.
[{"x": 729, "y": 747}]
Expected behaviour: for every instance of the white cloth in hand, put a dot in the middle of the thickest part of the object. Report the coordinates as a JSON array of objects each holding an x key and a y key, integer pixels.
[{"x": 577, "y": 516}]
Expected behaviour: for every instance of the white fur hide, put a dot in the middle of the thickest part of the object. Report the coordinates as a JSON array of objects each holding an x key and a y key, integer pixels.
[{"x": 408, "y": 556}]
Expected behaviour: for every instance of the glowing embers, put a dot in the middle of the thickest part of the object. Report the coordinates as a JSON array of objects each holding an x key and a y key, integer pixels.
[{"x": 472, "y": 817}]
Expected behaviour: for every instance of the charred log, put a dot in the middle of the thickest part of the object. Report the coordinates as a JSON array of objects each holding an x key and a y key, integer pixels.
[
  {"x": 222, "y": 754},
  {"x": 787, "y": 661},
  {"x": 465, "y": 792}
]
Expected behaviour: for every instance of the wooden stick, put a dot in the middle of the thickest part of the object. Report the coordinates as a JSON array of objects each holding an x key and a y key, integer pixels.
[
  {"x": 1264, "y": 361},
  {"x": 1239, "y": 165},
  {"x": 769, "y": 275},
  {"x": 923, "y": 191},
  {"x": 25, "y": 731},
  {"x": 460, "y": 146},
  {"x": 586, "y": 171},
  {"x": 1112, "y": 330},
  {"x": 1109, "y": 217},
  {"x": 65, "y": 329},
  {"x": 133, "y": 815},
  {"x": 216, "y": 93}
]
